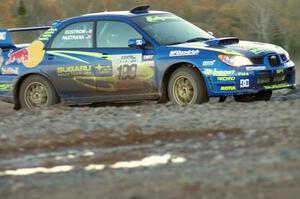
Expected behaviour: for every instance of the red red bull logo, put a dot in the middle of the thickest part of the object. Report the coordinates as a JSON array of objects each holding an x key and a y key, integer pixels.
[{"x": 19, "y": 56}]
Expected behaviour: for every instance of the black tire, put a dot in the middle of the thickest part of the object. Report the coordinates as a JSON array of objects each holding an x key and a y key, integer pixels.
[
  {"x": 260, "y": 96},
  {"x": 36, "y": 91},
  {"x": 193, "y": 89}
]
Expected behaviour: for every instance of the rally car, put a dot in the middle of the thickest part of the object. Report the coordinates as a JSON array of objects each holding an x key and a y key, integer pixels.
[{"x": 137, "y": 55}]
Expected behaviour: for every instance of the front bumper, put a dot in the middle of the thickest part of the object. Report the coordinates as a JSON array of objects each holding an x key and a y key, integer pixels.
[{"x": 247, "y": 80}]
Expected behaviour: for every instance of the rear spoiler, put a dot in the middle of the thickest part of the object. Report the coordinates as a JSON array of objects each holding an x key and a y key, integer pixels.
[{"x": 5, "y": 37}]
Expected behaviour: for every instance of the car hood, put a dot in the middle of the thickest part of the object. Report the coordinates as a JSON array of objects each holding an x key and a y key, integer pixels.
[{"x": 245, "y": 48}]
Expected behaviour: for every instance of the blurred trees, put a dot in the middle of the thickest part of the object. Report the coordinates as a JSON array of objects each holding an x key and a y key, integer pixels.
[{"x": 261, "y": 20}]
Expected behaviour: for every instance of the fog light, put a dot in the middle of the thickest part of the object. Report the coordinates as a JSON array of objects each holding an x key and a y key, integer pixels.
[
  {"x": 264, "y": 80},
  {"x": 279, "y": 79}
]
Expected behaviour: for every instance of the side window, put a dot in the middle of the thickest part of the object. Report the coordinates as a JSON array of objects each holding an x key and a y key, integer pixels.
[
  {"x": 78, "y": 35},
  {"x": 114, "y": 34}
]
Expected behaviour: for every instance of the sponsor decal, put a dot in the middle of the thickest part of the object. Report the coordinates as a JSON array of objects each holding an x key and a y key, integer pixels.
[
  {"x": 226, "y": 78},
  {"x": 83, "y": 34},
  {"x": 148, "y": 57},
  {"x": 178, "y": 53},
  {"x": 208, "y": 63},
  {"x": 243, "y": 74},
  {"x": 10, "y": 71},
  {"x": 104, "y": 71},
  {"x": 120, "y": 73},
  {"x": 30, "y": 57},
  {"x": 2, "y": 36},
  {"x": 19, "y": 56},
  {"x": 244, "y": 83},
  {"x": 6, "y": 87},
  {"x": 228, "y": 88},
  {"x": 256, "y": 68},
  {"x": 71, "y": 71},
  {"x": 127, "y": 67},
  {"x": 280, "y": 71},
  {"x": 276, "y": 86},
  {"x": 157, "y": 18},
  {"x": 257, "y": 51},
  {"x": 215, "y": 72},
  {"x": 48, "y": 34}
]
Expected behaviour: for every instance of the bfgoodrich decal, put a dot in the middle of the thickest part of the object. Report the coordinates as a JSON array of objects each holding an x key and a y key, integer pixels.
[{"x": 178, "y": 53}]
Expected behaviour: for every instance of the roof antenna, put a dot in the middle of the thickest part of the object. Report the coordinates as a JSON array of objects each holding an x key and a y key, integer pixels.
[{"x": 140, "y": 9}]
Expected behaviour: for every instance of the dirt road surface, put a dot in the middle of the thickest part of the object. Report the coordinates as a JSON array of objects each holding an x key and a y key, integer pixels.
[{"x": 215, "y": 150}]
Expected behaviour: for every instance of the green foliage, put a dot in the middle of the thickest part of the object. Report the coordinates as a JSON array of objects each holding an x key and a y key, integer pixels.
[{"x": 22, "y": 9}]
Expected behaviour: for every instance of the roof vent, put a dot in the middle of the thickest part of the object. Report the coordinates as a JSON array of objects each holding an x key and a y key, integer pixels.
[{"x": 140, "y": 9}]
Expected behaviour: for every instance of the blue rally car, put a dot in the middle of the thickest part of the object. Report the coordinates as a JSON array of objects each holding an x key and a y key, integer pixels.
[{"x": 137, "y": 55}]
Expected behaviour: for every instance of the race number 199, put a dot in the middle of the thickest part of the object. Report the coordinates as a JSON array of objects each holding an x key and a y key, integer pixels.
[{"x": 2, "y": 35}]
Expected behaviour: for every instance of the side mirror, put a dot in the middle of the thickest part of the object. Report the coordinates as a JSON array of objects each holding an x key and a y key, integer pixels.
[
  {"x": 136, "y": 43},
  {"x": 211, "y": 33}
]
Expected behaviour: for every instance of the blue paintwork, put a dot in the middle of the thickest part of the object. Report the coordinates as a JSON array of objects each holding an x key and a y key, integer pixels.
[{"x": 205, "y": 60}]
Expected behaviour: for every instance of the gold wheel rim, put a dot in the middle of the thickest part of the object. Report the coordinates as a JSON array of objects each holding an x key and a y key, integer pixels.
[
  {"x": 183, "y": 90},
  {"x": 36, "y": 95}
]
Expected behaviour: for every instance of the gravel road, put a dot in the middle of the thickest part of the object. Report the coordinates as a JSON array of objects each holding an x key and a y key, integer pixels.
[{"x": 148, "y": 150}]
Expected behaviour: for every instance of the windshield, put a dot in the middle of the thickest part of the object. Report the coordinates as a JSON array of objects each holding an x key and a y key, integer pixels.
[{"x": 168, "y": 29}]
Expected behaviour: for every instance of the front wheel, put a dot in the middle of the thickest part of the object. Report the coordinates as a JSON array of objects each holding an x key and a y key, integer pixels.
[
  {"x": 36, "y": 92},
  {"x": 260, "y": 96},
  {"x": 186, "y": 87}
]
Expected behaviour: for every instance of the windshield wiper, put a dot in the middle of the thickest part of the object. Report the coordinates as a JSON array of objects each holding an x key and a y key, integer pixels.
[{"x": 190, "y": 40}]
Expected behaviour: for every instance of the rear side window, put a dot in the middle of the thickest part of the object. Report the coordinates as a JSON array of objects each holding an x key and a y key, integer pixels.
[
  {"x": 78, "y": 35},
  {"x": 115, "y": 34}
]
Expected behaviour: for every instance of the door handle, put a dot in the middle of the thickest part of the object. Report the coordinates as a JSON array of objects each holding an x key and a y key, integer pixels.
[{"x": 50, "y": 57}]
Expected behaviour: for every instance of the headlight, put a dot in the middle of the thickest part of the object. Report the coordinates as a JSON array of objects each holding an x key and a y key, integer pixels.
[
  {"x": 281, "y": 50},
  {"x": 235, "y": 60},
  {"x": 287, "y": 55}
]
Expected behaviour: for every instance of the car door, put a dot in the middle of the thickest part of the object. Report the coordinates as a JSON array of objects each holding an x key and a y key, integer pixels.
[
  {"x": 70, "y": 60},
  {"x": 125, "y": 72}
]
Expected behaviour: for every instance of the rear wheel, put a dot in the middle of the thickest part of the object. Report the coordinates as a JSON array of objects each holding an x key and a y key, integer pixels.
[
  {"x": 260, "y": 96},
  {"x": 36, "y": 91},
  {"x": 186, "y": 87}
]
